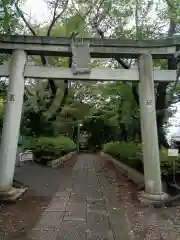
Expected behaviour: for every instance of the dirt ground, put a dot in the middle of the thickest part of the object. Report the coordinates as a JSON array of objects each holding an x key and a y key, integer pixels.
[
  {"x": 146, "y": 223},
  {"x": 17, "y": 219}
]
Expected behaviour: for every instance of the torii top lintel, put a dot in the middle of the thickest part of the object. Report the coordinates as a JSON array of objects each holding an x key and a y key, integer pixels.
[{"x": 99, "y": 48}]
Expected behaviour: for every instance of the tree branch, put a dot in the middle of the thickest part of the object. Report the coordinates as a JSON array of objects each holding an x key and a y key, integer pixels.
[
  {"x": 43, "y": 59},
  {"x": 122, "y": 63},
  {"x": 24, "y": 19},
  {"x": 83, "y": 16},
  {"x": 56, "y": 17},
  {"x": 101, "y": 16}
]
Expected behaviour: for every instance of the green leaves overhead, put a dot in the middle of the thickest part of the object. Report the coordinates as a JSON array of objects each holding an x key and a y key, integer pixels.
[
  {"x": 116, "y": 104},
  {"x": 37, "y": 115},
  {"x": 8, "y": 16},
  {"x": 75, "y": 24},
  {"x": 112, "y": 103},
  {"x": 174, "y": 10}
]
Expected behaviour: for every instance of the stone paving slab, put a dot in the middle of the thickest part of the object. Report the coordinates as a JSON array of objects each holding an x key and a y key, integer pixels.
[
  {"x": 43, "y": 235},
  {"x": 107, "y": 235},
  {"x": 57, "y": 200},
  {"x": 98, "y": 221},
  {"x": 50, "y": 221},
  {"x": 115, "y": 215},
  {"x": 75, "y": 211},
  {"x": 78, "y": 198},
  {"x": 94, "y": 192},
  {"x": 59, "y": 206},
  {"x": 63, "y": 194},
  {"x": 96, "y": 204},
  {"x": 79, "y": 189},
  {"x": 72, "y": 230},
  {"x": 120, "y": 232},
  {"x": 85, "y": 208}
]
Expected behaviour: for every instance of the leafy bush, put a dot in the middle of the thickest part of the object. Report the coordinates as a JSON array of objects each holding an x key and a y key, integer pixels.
[
  {"x": 168, "y": 162},
  {"x": 131, "y": 154},
  {"x": 52, "y": 147},
  {"x": 127, "y": 152},
  {"x": 27, "y": 142}
]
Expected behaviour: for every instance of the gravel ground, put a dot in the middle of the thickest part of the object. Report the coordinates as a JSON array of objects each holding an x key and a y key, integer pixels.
[
  {"x": 145, "y": 222},
  {"x": 19, "y": 218}
]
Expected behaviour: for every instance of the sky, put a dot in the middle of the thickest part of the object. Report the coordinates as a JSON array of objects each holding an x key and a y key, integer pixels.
[{"x": 38, "y": 10}]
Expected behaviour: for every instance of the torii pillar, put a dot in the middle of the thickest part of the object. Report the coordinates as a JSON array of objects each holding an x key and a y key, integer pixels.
[
  {"x": 152, "y": 173},
  {"x": 11, "y": 125}
]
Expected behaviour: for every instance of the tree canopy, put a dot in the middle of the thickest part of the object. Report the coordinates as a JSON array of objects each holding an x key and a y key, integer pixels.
[{"x": 108, "y": 110}]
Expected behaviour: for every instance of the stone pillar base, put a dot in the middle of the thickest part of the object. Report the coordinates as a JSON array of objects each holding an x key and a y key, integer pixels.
[
  {"x": 148, "y": 199},
  {"x": 12, "y": 195}
]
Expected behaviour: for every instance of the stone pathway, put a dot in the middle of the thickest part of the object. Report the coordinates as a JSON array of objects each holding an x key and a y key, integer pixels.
[{"x": 84, "y": 208}]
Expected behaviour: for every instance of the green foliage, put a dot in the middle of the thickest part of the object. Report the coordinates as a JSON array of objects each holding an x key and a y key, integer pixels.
[
  {"x": 98, "y": 129},
  {"x": 75, "y": 23},
  {"x": 130, "y": 153},
  {"x": 27, "y": 142},
  {"x": 173, "y": 10},
  {"x": 127, "y": 152},
  {"x": 115, "y": 104},
  {"x": 114, "y": 113},
  {"x": 8, "y": 17},
  {"x": 37, "y": 114},
  {"x": 53, "y": 147},
  {"x": 168, "y": 162}
]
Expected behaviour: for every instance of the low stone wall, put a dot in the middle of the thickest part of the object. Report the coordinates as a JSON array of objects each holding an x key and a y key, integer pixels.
[
  {"x": 131, "y": 173},
  {"x": 57, "y": 162}
]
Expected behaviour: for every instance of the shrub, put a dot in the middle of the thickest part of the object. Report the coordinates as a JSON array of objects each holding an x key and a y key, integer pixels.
[
  {"x": 168, "y": 162},
  {"x": 27, "y": 142},
  {"x": 127, "y": 152},
  {"x": 51, "y": 148},
  {"x": 131, "y": 154}
]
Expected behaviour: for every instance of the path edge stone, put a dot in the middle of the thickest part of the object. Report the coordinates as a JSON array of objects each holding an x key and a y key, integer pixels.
[
  {"x": 131, "y": 173},
  {"x": 57, "y": 162}
]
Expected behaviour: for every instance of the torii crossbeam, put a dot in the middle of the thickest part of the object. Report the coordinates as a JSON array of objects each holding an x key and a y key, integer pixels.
[{"x": 145, "y": 74}]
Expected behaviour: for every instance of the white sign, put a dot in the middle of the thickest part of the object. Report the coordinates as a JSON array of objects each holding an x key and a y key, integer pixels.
[
  {"x": 173, "y": 152},
  {"x": 26, "y": 156}
]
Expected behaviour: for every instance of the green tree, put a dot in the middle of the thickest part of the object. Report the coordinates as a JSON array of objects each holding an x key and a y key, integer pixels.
[
  {"x": 8, "y": 16},
  {"x": 40, "y": 119},
  {"x": 115, "y": 103},
  {"x": 143, "y": 26},
  {"x": 134, "y": 19}
]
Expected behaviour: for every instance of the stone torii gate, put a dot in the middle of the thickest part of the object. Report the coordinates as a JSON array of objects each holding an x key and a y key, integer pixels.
[{"x": 82, "y": 51}]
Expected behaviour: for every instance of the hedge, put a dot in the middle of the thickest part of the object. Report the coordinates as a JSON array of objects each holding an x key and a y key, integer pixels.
[
  {"x": 26, "y": 142},
  {"x": 50, "y": 148},
  {"x": 131, "y": 154}
]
